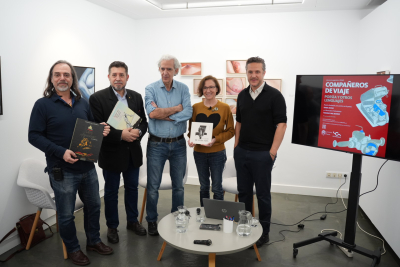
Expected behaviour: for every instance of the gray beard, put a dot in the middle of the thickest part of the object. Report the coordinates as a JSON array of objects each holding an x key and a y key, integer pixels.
[{"x": 62, "y": 89}]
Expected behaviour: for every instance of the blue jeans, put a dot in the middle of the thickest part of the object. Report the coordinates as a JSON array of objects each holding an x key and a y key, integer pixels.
[
  {"x": 87, "y": 186},
  {"x": 157, "y": 154},
  {"x": 254, "y": 167},
  {"x": 213, "y": 163},
  {"x": 111, "y": 187}
]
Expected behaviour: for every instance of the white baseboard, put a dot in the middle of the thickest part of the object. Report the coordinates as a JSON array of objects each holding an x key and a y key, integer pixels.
[
  {"x": 291, "y": 189},
  {"x": 13, "y": 240},
  {"x": 307, "y": 191}
]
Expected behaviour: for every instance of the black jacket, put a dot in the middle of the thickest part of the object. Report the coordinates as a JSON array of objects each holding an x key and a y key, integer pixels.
[{"x": 114, "y": 152}]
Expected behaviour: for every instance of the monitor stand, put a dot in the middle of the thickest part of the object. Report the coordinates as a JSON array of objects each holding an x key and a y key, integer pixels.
[{"x": 348, "y": 243}]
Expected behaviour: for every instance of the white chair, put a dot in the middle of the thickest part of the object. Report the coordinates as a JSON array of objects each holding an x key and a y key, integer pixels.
[
  {"x": 229, "y": 180},
  {"x": 166, "y": 183},
  {"x": 35, "y": 181}
]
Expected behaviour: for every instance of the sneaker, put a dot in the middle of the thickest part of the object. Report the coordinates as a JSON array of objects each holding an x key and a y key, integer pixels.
[
  {"x": 136, "y": 227},
  {"x": 263, "y": 239},
  {"x": 152, "y": 228}
]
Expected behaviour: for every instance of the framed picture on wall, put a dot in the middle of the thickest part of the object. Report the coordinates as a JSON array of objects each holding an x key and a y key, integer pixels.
[
  {"x": 276, "y": 83},
  {"x": 232, "y": 102},
  {"x": 196, "y": 83},
  {"x": 1, "y": 94},
  {"x": 234, "y": 85},
  {"x": 236, "y": 66},
  {"x": 383, "y": 72},
  {"x": 191, "y": 69},
  {"x": 86, "y": 80}
]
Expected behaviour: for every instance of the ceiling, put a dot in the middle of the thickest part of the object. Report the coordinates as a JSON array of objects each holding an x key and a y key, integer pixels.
[{"x": 148, "y": 9}]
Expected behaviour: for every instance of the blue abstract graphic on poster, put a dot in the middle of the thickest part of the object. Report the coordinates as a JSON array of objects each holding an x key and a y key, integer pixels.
[{"x": 86, "y": 80}]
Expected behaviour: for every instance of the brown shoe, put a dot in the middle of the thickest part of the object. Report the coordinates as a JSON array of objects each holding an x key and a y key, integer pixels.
[
  {"x": 136, "y": 227},
  {"x": 79, "y": 258},
  {"x": 100, "y": 248}
]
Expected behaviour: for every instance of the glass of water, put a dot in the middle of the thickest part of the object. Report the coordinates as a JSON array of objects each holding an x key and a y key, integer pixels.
[
  {"x": 199, "y": 215},
  {"x": 244, "y": 223},
  {"x": 181, "y": 220},
  {"x": 254, "y": 222}
]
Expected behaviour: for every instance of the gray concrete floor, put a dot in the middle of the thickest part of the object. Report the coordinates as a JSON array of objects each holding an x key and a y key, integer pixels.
[{"x": 133, "y": 250}]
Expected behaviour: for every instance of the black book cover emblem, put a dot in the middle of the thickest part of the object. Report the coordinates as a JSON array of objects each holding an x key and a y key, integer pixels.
[{"x": 86, "y": 140}]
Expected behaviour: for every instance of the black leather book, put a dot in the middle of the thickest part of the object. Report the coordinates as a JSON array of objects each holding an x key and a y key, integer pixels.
[{"x": 86, "y": 140}]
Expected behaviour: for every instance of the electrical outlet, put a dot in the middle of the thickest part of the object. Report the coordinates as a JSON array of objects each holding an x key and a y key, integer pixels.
[{"x": 340, "y": 175}]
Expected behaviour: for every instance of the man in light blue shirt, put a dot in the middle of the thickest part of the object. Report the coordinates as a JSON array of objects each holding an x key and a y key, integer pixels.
[{"x": 168, "y": 106}]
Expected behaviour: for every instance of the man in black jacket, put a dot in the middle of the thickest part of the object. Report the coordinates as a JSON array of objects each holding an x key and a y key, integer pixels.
[
  {"x": 120, "y": 151},
  {"x": 260, "y": 127}
]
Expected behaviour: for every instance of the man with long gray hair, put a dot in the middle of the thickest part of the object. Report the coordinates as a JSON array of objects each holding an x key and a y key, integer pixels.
[
  {"x": 51, "y": 128},
  {"x": 168, "y": 106}
]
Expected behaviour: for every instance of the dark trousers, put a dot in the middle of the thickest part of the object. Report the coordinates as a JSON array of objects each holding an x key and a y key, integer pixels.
[
  {"x": 87, "y": 186},
  {"x": 111, "y": 187},
  {"x": 254, "y": 167},
  {"x": 210, "y": 164},
  {"x": 157, "y": 154}
]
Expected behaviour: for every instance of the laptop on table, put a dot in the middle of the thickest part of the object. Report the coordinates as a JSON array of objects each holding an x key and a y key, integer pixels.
[{"x": 219, "y": 209}]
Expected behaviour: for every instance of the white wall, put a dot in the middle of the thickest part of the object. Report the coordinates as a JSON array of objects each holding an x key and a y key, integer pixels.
[
  {"x": 378, "y": 50},
  {"x": 34, "y": 35},
  {"x": 291, "y": 43}
]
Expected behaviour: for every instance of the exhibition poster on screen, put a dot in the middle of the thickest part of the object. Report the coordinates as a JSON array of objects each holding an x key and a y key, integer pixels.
[{"x": 355, "y": 113}]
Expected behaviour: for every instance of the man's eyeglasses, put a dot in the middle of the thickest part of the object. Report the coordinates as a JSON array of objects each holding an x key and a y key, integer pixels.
[{"x": 210, "y": 87}]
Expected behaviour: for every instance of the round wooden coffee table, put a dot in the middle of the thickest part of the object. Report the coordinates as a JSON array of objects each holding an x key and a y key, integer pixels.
[{"x": 222, "y": 243}]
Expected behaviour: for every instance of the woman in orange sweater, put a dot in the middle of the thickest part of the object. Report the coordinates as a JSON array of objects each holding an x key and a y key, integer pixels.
[{"x": 210, "y": 158}]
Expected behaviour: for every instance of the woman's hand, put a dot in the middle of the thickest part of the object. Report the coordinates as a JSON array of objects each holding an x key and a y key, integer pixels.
[
  {"x": 210, "y": 144},
  {"x": 190, "y": 143}
]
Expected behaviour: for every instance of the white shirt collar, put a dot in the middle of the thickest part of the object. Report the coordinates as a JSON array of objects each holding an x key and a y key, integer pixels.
[{"x": 258, "y": 90}]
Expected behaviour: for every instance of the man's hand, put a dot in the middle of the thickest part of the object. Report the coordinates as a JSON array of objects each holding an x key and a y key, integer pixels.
[
  {"x": 179, "y": 108},
  {"x": 70, "y": 156},
  {"x": 129, "y": 136},
  {"x": 106, "y": 130},
  {"x": 164, "y": 113},
  {"x": 135, "y": 133},
  {"x": 210, "y": 144}
]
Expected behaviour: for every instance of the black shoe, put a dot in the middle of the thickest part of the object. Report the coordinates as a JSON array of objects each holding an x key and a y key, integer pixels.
[
  {"x": 263, "y": 239},
  {"x": 136, "y": 227},
  {"x": 152, "y": 228},
  {"x": 112, "y": 235}
]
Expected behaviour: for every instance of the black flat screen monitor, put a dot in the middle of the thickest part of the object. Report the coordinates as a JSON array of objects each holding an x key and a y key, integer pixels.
[{"x": 351, "y": 113}]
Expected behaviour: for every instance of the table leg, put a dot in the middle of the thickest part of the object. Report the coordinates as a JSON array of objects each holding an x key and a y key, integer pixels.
[
  {"x": 161, "y": 251},
  {"x": 211, "y": 260},
  {"x": 257, "y": 253}
]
